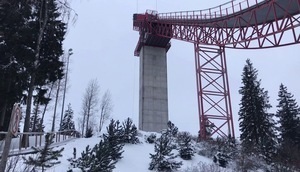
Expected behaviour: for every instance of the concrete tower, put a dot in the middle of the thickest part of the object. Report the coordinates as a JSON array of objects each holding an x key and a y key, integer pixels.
[{"x": 153, "y": 100}]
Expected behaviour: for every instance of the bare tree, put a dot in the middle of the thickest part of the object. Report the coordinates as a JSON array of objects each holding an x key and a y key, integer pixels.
[
  {"x": 55, "y": 105},
  {"x": 106, "y": 108},
  {"x": 90, "y": 102}
]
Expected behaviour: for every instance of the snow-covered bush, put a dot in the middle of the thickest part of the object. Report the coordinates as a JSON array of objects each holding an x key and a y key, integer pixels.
[
  {"x": 201, "y": 166},
  {"x": 221, "y": 159},
  {"x": 163, "y": 159},
  {"x": 46, "y": 156},
  {"x": 151, "y": 138},
  {"x": 246, "y": 162},
  {"x": 89, "y": 132},
  {"x": 186, "y": 149},
  {"x": 130, "y": 132}
]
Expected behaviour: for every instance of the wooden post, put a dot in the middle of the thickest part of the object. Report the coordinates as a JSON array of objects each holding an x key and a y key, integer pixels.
[
  {"x": 41, "y": 140},
  {"x": 36, "y": 138},
  {"x": 20, "y": 142}
]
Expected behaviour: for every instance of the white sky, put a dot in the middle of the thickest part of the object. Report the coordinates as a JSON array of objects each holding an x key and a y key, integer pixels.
[{"x": 103, "y": 43}]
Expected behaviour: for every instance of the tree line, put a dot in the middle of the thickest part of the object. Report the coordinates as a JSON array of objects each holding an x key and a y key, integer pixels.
[
  {"x": 31, "y": 50},
  {"x": 274, "y": 138}
]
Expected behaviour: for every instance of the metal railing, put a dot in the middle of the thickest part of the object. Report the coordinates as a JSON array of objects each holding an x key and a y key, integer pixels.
[
  {"x": 211, "y": 13},
  {"x": 36, "y": 139}
]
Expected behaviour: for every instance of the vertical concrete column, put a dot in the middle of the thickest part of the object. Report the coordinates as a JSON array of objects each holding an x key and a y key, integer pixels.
[{"x": 153, "y": 101}]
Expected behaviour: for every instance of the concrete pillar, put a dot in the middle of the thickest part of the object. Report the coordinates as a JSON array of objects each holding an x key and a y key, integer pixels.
[{"x": 153, "y": 101}]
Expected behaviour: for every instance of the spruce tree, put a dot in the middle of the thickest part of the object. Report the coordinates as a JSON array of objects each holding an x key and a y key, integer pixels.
[
  {"x": 172, "y": 130},
  {"x": 46, "y": 156},
  {"x": 102, "y": 159},
  {"x": 96, "y": 159},
  {"x": 288, "y": 113},
  {"x": 289, "y": 128},
  {"x": 67, "y": 124},
  {"x": 13, "y": 75},
  {"x": 163, "y": 159},
  {"x": 130, "y": 132},
  {"x": 256, "y": 124},
  {"x": 186, "y": 150},
  {"x": 113, "y": 138},
  {"x": 85, "y": 160}
]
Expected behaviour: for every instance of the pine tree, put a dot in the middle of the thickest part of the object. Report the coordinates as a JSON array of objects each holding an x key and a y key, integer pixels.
[
  {"x": 289, "y": 127},
  {"x": 172, "y": 130},
  {"x": 151, "y": 138},
  {"x": 171, "y": 133},
  {"x": 102, "y": 158},
  {"x": 114, "y": 139},
  {"x": 67, "y": 124},
  {"x": 46, "y": 156},
  {"x": 13, "y": 76},
  {"x": 186, "y": 150},
  {"x": 256, "y": 124},
  {"x": 130, "y": 132},
  {"x": 85, "y": 160},
  {"x": 96, "y": 159},
  {"x": 163, "y": 159},
  {"x": 288, "y": 113}
]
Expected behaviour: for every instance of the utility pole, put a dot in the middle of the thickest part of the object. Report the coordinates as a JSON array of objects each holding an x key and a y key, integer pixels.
[{"x": 65, "y": 88}]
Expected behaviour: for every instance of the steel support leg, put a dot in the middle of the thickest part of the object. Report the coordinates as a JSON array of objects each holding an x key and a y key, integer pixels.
[{"x": 214, "y": 104}]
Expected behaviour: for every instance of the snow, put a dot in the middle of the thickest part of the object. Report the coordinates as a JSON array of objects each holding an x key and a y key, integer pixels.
[{"x": 135, "y": 157}]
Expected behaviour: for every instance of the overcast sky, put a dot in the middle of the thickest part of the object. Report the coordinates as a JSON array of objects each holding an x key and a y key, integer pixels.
[{"x": 103, "y": 43}]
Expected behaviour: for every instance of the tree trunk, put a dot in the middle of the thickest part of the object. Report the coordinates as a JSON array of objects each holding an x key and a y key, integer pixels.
[
  {"x": 46, "y": 105},
  {"x": 87, "y": 120},
  {"x": 3, "y": 114},
  {"x": 83, "y": 124},
  {"x": 25, "y": 139},
  {"x": 55, "y": 106},
  {"x": 35, "y": 117},
  {"x": 43, "y": 23},
  {"x": 101, "y": 120}
]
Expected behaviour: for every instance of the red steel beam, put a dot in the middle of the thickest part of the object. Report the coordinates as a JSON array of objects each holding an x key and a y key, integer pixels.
[
  {"x": 264, "y": 26},
  {"x": 213, "y": 94}
]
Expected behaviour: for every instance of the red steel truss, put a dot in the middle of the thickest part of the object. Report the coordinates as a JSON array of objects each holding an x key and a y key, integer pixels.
[
  {"x": 213, "y": 91},
  {"x": 240, "y": 24}
]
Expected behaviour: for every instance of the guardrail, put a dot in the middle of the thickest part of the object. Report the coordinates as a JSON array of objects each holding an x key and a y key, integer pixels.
[
  {"x": 36, "y": 139},
  {"x": 211, "y": 13}
]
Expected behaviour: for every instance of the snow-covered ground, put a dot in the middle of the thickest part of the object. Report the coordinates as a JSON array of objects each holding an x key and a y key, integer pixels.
[{"x": 135, "y": 157}]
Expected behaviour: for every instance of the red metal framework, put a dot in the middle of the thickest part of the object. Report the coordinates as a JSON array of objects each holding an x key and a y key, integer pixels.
[
  {"x": 240, "y": 24},
  {"x": 213, "y": 91}
]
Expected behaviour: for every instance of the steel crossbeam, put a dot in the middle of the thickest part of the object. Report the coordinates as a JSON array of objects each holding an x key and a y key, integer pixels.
[{"x": 214, "y": 105}]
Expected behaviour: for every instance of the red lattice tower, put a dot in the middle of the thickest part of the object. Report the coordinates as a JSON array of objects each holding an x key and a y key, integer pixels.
[{"x": 240, "y": 24}]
